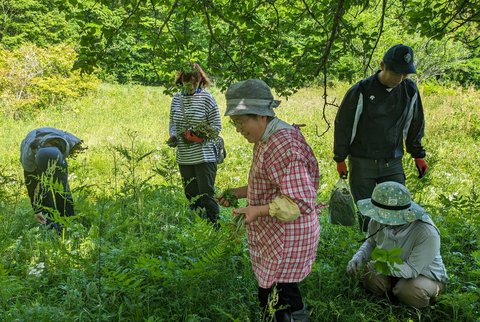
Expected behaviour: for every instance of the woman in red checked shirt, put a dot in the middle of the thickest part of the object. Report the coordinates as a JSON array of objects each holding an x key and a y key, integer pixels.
[{"x": 281, "y": 213}]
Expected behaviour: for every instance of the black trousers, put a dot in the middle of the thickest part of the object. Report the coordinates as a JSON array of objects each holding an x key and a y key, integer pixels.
[
  {"x": 199, "y": 181},
  {"x": 365, "y": 174},
  {"x": 54, "y": 189},
  {"x": 288, "y": 295}
]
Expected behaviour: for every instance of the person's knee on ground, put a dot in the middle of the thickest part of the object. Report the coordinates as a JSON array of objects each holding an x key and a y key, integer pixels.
[
  {"x": 377, "y": 284},
  {"x": 417, "y": 292}
]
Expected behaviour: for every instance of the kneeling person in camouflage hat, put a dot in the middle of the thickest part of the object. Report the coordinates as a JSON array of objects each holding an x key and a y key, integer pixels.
[{"x": 396, "y": 221}]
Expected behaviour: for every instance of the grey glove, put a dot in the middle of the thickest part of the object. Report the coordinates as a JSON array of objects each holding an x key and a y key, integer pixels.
[{"x": 354, "y": 265}]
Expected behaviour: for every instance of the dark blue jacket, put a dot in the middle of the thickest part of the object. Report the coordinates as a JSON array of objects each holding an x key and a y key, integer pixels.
[{"x": 373, "y": 121}]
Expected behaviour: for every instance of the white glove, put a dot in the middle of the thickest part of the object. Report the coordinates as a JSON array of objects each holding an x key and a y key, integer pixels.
[{"x": 354, "y": 266}]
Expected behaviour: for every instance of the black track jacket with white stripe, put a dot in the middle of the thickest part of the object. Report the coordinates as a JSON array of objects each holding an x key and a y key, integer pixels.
[{"x": 373, "y": 121}]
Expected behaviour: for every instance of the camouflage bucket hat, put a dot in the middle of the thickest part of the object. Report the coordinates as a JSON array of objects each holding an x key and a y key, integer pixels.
[
  {"x": 252, "y": 96},
  {"x": 391, "y": 204}
]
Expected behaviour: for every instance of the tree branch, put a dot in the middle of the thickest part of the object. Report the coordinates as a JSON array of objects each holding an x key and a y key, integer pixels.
[
  {"x": 240, "y": 41},
  {"x": 218, "y": 43},
  {"x": 165, "y": 22},
  {"x": 336, "y": 21},
  {"x": 380, "y": 32}
]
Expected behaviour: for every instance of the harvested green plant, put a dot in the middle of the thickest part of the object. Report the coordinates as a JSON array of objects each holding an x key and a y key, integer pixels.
[
  {"x": 181, "y": 134},
  {"x": 229, "y": 196},
  {"x": 77, "y": 149},
  {"x": 238, "y": 225},
  {"x": 205, "y": 131}
]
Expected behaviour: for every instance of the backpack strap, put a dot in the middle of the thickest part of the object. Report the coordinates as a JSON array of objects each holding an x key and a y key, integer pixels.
[{"x": 183, "y": 109}]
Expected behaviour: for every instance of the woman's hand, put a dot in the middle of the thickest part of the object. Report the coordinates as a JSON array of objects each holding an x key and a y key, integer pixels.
[
  {"x": 252, "y": 212},
  {"x": 40, "y": 218},
  {"x": 222, "y": 201},
  {"x": 240, "y": 192}
]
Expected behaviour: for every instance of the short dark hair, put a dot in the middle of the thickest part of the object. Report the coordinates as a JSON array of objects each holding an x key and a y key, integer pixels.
[{"x": 388, "y": 66}]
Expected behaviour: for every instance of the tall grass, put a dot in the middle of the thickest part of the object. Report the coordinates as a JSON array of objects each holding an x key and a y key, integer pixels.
[{"x": 136, "y": 252}]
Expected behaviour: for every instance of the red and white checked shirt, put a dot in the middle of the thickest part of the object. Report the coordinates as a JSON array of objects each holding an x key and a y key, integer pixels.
[{"x": 283, "y": 165}]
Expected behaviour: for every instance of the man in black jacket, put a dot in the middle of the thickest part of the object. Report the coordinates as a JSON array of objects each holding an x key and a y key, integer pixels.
[{"x": 376, "y": 116}]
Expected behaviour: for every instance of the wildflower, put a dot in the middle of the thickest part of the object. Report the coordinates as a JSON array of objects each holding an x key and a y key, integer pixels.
[{"x": 36, "y": 270}]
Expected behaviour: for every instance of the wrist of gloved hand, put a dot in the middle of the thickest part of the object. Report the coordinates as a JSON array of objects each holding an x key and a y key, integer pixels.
[{"x": 421, "y": 167}]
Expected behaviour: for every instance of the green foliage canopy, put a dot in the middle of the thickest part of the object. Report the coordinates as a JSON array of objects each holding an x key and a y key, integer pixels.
[
  {"x": 459, "y": 20},
  {"x": 35, "y": 21},
  {"x": 285, "y": 42}
]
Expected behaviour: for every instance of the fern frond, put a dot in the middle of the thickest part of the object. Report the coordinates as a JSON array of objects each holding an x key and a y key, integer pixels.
[{"x": 204, "y": 267}]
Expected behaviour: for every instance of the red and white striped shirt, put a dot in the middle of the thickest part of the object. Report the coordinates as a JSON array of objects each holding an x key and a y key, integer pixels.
[{"x": 283, "y": 165}]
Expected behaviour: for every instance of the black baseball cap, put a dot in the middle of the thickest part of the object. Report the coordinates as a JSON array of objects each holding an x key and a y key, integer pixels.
[{"x": 400, "y": 57}]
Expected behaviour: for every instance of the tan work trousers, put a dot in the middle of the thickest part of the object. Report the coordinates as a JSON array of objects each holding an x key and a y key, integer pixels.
[{"x": 416, "y": 292}]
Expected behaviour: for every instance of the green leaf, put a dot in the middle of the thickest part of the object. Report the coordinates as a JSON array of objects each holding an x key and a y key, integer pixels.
[
  {"x": 396, "y": 260},
  {"x": 379, "y": 255},
  {"x": 382, "y": 268},
  {"x": 395, "y": 251}
]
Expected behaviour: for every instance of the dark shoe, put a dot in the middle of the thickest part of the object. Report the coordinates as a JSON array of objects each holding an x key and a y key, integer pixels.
[{"x": 300, "y": 315}]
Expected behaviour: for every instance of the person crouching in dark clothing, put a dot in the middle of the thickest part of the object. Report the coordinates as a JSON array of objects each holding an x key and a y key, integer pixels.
[{"x": 42, "y": 154}]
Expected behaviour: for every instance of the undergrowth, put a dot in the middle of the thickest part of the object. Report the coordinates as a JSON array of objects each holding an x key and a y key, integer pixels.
[{"x": 136, "y": 252}]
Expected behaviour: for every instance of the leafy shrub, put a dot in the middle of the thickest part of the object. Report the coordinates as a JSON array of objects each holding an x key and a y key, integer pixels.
[
  {"x": 465, "y": 73},
  {"x": 34, "y": 78},
  {"x": 432, "y": 87}
]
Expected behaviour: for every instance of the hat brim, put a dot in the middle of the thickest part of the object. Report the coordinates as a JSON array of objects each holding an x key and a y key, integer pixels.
[
  {"x": 390, "y": 217},
  {"x": 259, "y": 107},
  {"x": 404, "y": 69}
]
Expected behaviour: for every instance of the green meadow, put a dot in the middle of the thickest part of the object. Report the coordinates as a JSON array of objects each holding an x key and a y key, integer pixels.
[{"x": 136, "y": 252}]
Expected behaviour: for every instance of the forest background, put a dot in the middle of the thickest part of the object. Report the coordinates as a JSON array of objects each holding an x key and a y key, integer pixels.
[{"x": 103, "y": 70}]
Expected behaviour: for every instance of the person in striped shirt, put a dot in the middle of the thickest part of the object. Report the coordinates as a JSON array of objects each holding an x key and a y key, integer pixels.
[{"x": 196, "y": 157}]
